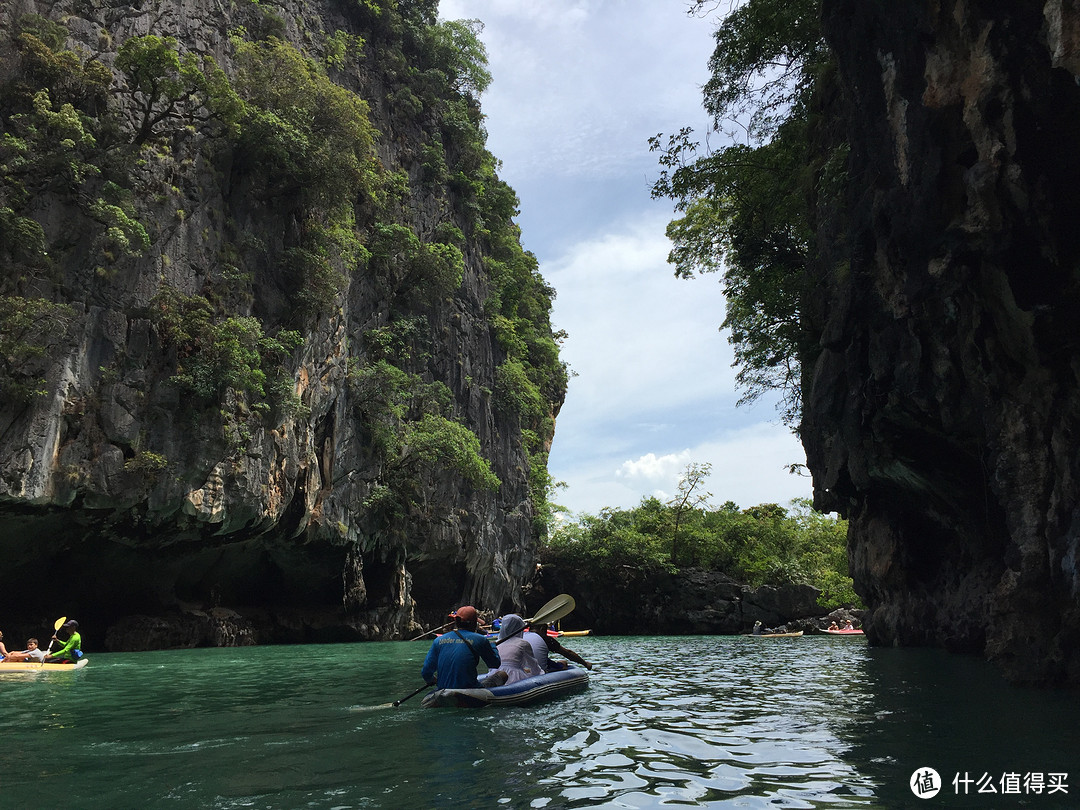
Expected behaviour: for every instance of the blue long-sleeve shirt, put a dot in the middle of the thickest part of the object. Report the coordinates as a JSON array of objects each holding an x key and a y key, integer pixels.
[{"x": 455, "y": 663}]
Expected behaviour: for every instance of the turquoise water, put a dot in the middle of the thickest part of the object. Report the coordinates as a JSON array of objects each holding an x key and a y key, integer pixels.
[{"x": 675, "y": 721}]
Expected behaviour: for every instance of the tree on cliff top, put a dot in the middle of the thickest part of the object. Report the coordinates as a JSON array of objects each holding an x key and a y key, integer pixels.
[{"x": 746, "y": 210}]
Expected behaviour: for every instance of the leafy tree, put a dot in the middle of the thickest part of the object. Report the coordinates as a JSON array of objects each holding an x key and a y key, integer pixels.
[
  {"x": 690, "y": 497},
  {"x": 745, "y": 207},
  {"x": 166, "y": 87},
  {"x": 456, "y": 50},
  {"x": 312, "y": 137}
]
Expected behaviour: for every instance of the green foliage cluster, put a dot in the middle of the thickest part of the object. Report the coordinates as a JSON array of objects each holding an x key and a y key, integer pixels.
[
  {"x": 216, "y": 354},
  {"x": 762, "y": 545},
  {"x": 433, "y": 269},
  {"x": 746, "y": 208},
  {"x": 313, "y": 138},
  {"x": 30, "y": 330},
  {"x": 408, "y": 420},
  {"x": 170, "y": 91}
]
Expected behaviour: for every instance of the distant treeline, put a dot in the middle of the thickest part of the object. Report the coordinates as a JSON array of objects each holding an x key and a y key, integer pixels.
[{"x": 763, "y": 545}]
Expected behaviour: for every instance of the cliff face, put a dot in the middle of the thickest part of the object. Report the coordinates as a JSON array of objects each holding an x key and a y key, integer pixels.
[
  {"x": 268, "y": 329},
  {"x": 942, "y": 414}
]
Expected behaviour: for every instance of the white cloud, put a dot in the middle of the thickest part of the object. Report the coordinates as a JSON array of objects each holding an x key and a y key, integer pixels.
[
  {"x": 651, "y": 467},
  {"x": 640, "y": 340},
  {"x": 749, "y": 467}
]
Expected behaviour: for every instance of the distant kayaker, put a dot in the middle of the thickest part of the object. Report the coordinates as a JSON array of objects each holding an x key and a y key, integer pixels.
[
  {"x": 451, "y": 661},
  {"x": 72, "y": 649},
  {"x": 31, "y": 653},
  {"x": 3, "y": 649},
  {"x": 848, "y": 625},
  {"x": 515, "y": 653},
  {"x": 542, "y": 644},
  {"x": 834, "y": 626}
]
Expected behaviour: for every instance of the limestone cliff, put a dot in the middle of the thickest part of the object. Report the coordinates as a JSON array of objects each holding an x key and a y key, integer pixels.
[
  {"x": 275, "y": 366},
  {"x": 942, "y": 413}
]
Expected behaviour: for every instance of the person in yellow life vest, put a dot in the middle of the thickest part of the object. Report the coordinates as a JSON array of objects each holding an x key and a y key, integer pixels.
[{"x": 72, "y": 649}]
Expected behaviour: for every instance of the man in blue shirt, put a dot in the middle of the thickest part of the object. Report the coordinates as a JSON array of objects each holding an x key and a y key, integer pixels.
[{"x": 454, "y": 655}]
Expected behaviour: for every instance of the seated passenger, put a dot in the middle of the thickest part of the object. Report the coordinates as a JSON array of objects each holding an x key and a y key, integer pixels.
[
  {"x": 542, "y": 644},
  {"x": 515, "y": 652},
  {"x": 31, "y": 653}
]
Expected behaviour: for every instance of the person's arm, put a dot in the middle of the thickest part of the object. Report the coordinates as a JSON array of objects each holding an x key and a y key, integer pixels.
[
  {"x": 489, "y": 653},
  {"x": 555, "y": 646},
  {"x": 68, "y": 645},
  {"x": 428, "y": 671}
]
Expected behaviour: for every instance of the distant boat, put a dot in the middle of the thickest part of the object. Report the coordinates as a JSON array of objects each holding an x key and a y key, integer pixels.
[
  {"x": 851, "y": 632},
  {"x": 777, "y": 635}
]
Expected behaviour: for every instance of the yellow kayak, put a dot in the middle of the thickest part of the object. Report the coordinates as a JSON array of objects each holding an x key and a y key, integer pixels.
[
  {"x": 569, "y": 633},
  {"x": 34, "y": 666},
  {"x": 778, "y": 635}
]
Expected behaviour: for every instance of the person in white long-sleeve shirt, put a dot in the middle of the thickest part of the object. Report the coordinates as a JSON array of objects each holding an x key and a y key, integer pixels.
[{"x": 515, "y": 652}]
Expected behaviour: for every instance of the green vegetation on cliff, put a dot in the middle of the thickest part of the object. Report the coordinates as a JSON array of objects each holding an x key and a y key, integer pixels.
[{"x": 280, "y": 124}]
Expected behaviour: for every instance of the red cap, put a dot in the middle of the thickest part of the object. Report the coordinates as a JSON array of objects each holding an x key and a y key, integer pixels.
[{"x": 467, "y": 613}]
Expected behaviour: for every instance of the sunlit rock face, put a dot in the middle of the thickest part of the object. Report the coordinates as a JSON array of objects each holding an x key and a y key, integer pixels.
[
  {"x": 160, "y": 524},
  {"x": 942, "y": 414}
]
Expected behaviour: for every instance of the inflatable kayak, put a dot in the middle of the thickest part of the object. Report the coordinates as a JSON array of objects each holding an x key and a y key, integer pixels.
[
  {"x": 523, "y": 693},
  {"x": 33, "y": 666},
  {"x": 844, "y": 632}
]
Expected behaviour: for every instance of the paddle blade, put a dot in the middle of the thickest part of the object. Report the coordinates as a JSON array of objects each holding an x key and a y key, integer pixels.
[
  {"x": 561, "y": 605},
  {"x": 371, "y": 708},
  {"x": 59, "y": 623}
]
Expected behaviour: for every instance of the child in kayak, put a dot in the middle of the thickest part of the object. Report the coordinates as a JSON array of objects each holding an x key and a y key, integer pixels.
[{"x": 31, "y": 653}]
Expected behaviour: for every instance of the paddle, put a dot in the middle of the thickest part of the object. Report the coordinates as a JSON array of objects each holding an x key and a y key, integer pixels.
[
  {"x": 56, "y": 629},
  {"x": 429, "y": 632},
  {"x": 561, "y": 605}
]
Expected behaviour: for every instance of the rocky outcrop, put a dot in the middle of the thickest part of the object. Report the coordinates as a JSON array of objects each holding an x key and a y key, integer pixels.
[
  {"x": 942, "y": 413},
  {"x": 162, "y": 517}
]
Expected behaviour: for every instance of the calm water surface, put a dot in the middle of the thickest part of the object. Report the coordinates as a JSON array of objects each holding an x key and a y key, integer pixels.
[{"x": 815, "y": 722}]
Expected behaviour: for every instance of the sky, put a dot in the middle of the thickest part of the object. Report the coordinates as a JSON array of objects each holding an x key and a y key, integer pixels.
[{"x": 579, "y": 86}]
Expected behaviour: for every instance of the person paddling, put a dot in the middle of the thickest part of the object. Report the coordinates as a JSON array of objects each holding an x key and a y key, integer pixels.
[
  {"x": 72, "y": 649},
  {"x": 451, "y": 661},
  {"x": 542, "y": 644}
]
